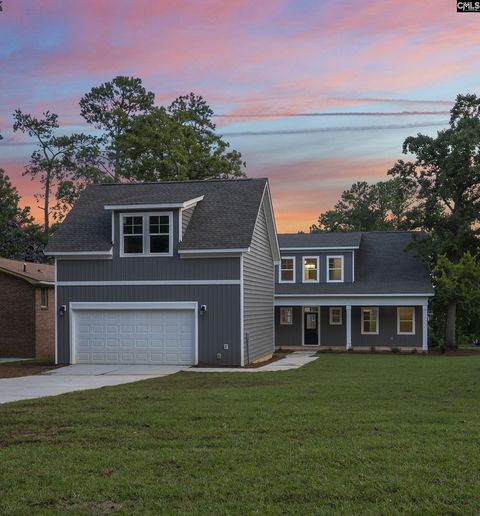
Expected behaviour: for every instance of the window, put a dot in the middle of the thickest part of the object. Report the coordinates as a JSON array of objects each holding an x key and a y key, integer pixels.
[
  {"x": 145, "y": 234},
  {"x": 370, "y": 321},
  {"x": 159, "y": 233},
  {"x": 335, "y": 315},
  {"x": 310, "y": 269},
  {"x": 334, "y": 269},
  {"x": 286, "y": 315},
  {"x": 406, "y": 320},
  {"x": 133, "y": 235},
  {"x": 44, "y": 298},
  {"x": 287, "y": 270}
]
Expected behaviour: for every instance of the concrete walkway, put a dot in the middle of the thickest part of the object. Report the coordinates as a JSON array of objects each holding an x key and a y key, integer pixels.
[
  {"x": 79, "y": 377},
  {"x": 291, "y": 361}
]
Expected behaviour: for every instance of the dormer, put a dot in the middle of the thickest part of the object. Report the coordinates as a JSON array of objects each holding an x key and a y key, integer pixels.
[{"x": 149, "y": 229}]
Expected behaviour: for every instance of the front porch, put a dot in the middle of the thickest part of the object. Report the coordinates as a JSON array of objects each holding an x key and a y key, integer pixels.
[{"x": 387, "y": 324}]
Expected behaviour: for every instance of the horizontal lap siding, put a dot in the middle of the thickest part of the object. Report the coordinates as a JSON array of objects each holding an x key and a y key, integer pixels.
[
  {"x": 218, "y": 326},
  {"x": 259, "y": 283},
  {"x": 332, "y": 334}
]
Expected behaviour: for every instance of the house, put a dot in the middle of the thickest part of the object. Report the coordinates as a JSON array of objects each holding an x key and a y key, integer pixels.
[
  {"x": 351, "y": 290},
  {"x": 27, "y": 311},
  {"x": 170, "y": 273},
  {"x": 192, "y": 272}
]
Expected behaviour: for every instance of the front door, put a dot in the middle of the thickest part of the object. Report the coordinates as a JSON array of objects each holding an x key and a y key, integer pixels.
[{"x": 310, "y": 321}]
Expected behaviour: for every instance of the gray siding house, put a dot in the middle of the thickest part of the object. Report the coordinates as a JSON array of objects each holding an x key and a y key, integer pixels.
[
  {"x": 351, "y": 290},
  {"x": 194, "y": 273},
  {"x": 167, "y": 273}
]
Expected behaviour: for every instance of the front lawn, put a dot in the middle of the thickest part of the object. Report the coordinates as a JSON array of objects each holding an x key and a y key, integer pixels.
[{"x": 346, "y": 434}]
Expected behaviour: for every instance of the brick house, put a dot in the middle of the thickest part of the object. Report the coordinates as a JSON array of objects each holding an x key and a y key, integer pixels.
[{"x": 27, "y": 310}]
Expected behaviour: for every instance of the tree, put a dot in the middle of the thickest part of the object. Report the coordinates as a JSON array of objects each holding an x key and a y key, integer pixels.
[
  {"x": 112, "y": 107},
  {"x": 63, "y": 164},
  {"x": 446, "y": 172},
  {"x": 19, "y": 237},
  {"x": 177, "y": 143},
  {"x": 457, "y": 284},
  {"x": 381, "y": 206}
]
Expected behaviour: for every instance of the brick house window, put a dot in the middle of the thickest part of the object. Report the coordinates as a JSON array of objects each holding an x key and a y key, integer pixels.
[{"x": 44, "y": 298}]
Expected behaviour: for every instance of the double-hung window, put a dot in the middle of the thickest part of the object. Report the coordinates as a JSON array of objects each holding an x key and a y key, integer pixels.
[
  {"x": 370, "y": 321},
  {"x": 145, "y": 234},
  {"x": 310, "y": 269},
  {"x": 406, "y": 320},
  {"x": 287, "y": 269},
  {"x": 335, "y": 315},
  {"x": 334, "y": 269},
  {"x": 286, "y": 315}
]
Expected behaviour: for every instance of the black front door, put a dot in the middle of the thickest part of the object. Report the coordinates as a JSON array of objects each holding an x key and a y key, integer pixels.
[{"x": 310, "y": 321}]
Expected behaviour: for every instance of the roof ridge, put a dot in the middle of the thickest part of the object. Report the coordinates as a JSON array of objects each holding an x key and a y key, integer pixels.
[{"x": 183, "y": 182}]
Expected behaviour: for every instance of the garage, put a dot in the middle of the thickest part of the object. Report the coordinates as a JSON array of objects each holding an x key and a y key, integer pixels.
[{"x": 142, "y": 333}]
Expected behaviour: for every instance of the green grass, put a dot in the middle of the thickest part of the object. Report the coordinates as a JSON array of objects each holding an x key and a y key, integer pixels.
[{"x": 345, "y": 434}]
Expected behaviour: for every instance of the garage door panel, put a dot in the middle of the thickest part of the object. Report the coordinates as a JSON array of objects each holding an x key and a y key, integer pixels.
[{"x": 135, "y": 336}]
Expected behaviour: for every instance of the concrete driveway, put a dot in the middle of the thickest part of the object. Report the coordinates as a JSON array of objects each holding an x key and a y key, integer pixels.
[{"x": 79, "y": 377}]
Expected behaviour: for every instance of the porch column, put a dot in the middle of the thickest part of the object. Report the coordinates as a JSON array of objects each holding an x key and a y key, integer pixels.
[
  {"x": 425, "y": 328},
  {"x": 349, "y": 326}
]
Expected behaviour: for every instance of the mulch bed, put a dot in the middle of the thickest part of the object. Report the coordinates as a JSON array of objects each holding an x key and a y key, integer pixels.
[
  {"x": 15, "y": 370},
  {"x": 455, "y": 352}
]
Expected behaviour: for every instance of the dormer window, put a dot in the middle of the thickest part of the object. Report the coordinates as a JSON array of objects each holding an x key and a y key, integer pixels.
[
  {"x": 146, "y": 234},
  {"x": 334, "y": 269}
]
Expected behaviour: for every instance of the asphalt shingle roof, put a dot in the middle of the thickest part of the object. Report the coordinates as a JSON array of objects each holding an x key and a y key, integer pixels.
[
  {"x": 319, "y": 240},
  {"x": 224, "y": 219},
  {"x": 32, "y": 272},
  {"x": 383, "y": 265}
]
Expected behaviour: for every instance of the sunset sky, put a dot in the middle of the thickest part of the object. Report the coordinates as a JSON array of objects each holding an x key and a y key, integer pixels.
[{"x": 316, "y": 94}]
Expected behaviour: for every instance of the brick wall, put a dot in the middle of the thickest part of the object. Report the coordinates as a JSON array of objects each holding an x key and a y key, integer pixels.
[
  {"x": 17, "y": 317},
  {"x": 45, "y": 325}
]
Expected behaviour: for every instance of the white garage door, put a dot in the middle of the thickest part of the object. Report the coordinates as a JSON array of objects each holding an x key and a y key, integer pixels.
[{"x": 135, "y": 336}]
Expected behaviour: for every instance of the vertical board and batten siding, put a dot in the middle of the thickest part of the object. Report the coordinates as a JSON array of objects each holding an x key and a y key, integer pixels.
[
  {"x": 258, "y": 294},
  {"x": 220, "y": 325},
  {"x": 186, "y": 216},
  {"x": 322, "y": 264}
]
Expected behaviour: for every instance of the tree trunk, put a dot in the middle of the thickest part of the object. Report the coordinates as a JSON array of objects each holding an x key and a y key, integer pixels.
[
  {"x": 450, "y": 332},
  {"x": 46, "y": 206}
]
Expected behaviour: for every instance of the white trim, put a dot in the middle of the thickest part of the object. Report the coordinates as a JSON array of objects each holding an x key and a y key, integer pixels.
[
  {"x": 319, "y": 248},
  {"x": 153, "y": 206},
  {"x": 353, "y": 295},
  {"x": 328, "y": 268},
  {"x": 330, "y": 311},
  {"x": 348, "y": 309},
  {"x": 273, "y": 229},
  {"x": 353, "y": 266},
  {"x": 146, "y": 233},
  {"x": 242, "y": 315},
  {"x": 425, "y": 328},
  {"x": 56, "y": 313},
  {"x": 318, "y": 325},
  {"x": 300, "y": 300},
  {"x": 398, "y": 321},
  {"x": 145, "y": 282},
  {"x": 303, "y": 269},
  {"x": 291, "y": 315},
  {"x": 294, "y": 269},
  {"x": 180, "y": 223},
  {"x": 79, "y": 253},
  {"x": 377, "y": 319},
  {"x": 140, "y": 305},
  {"x": 113, "y": 229},
  {"x": 210, "y": 251}
]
